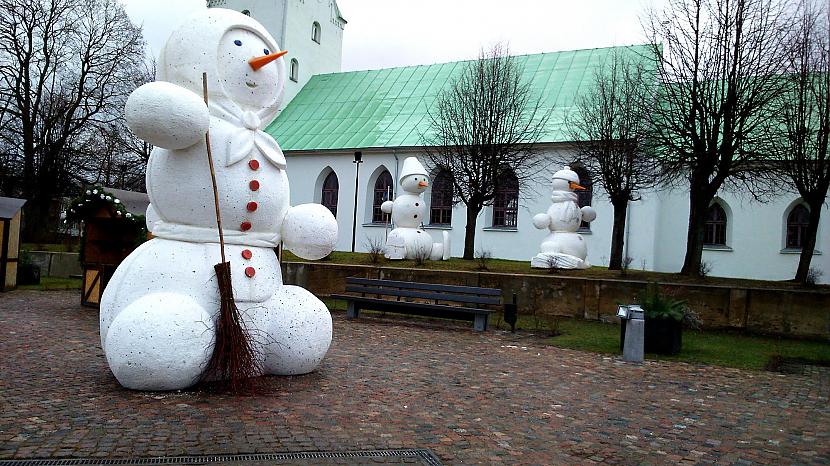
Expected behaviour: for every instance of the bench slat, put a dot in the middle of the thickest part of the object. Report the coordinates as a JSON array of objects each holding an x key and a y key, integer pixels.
[
  {"x": 425, "y": 286},
  {"x": 440, "y": 296},
  {"x": 381, "y": 304}
]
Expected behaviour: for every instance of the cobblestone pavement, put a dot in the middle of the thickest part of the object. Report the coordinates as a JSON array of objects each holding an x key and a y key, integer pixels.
[{"x": 469, "y": 397}]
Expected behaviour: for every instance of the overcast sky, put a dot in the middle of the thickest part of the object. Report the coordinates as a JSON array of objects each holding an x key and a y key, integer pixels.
[{"x": 385, "y": 33}]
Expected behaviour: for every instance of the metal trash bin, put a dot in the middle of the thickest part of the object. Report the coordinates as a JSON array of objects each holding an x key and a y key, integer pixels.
[{"x": 632, "y": 332}]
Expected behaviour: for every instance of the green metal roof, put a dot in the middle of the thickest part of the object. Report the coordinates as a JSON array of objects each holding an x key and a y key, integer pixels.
[{"x": 388, "y": 107}]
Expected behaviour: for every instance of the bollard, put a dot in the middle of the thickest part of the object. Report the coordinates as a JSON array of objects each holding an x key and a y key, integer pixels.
[{"x": 633, "y": 318}]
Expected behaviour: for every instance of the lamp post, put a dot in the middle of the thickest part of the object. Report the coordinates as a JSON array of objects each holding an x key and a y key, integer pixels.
[{"x": 358, "y": 159}]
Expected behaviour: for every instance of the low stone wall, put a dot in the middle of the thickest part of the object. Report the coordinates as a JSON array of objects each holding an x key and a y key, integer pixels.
[
  {"x": 797, "y": 313},
  {"x": 56, "y": 264}
]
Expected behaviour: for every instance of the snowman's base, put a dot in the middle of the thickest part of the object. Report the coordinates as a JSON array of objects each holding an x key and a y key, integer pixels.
[{"x": 548, "y": 260}]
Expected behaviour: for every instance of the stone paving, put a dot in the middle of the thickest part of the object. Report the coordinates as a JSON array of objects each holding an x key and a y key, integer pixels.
[{"x": 485, "y": 398}]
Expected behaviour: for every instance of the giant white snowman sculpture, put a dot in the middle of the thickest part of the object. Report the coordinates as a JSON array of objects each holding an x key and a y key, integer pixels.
[
  {"x": 158, "y": 310},
  {"x": 563, "y": 248},
  {"x": 408, "y": 240}
]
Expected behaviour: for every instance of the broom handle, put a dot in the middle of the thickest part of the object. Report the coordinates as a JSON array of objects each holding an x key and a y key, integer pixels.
[{"x": 213, "y": 176}]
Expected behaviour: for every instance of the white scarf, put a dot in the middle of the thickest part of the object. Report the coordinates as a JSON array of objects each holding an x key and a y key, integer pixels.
[
  {"x": 571, "y": 206},
  {"x": 248, "y": 134}
]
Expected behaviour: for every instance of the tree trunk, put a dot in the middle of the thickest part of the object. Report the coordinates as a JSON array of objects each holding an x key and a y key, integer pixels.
[
  {"x": 470, "y": 232},
  {"x": 809, "y": 245},
  {"x": 698, "y": 204},
  {"x": 618, "y": 235}
]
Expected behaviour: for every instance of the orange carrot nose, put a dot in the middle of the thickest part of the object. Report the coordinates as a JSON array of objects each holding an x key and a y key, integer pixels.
[
  {"x": 573, "y": 185},
  {"x": 258, "y": 62},
  {"x": 423, "y": 184}
]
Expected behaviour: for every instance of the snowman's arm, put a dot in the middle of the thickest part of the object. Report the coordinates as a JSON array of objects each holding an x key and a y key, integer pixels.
[
  {"x": 541, "y": 221},
  {"x": 588, "y": 214},
  {"x": 309, "y": 231},
  {"x": 167, "y": 115},
  {"x": 386, "y": 207}
]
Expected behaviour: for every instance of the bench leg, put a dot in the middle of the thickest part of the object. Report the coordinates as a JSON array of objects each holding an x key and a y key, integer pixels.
[
  {"x": 352, "y": 310},
  {"x": 480, "y": 323}
]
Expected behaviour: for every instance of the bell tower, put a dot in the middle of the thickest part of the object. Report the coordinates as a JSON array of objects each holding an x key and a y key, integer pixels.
[{"x": 311, "y": 31}]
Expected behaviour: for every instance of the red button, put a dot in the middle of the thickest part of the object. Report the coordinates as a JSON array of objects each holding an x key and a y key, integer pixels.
[
  {"x": 250, "y": 271},
  {"x": 247, "y": 254},
  {"x": 254, "y": 164},
  {"x": 251, "y": 206},
  {"x": 254, "y": 185},
  {"x": 245, "y": 226}
]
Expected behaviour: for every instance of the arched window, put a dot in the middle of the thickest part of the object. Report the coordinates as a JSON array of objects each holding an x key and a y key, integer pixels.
[
  {"x": 315, "y": 32},
  {"x": 797, "y": 222},
  {"x": 440, "y": 201},
  {"x": 714, "y": 226},
  {"x": 294, "y": 73},
  {"x": 382, "y": 192},
  {"x": 330, "y": 190},
  {"x": 246, "y": 12},
  {"x": 506, "y": 201},
  {"x": 584, "y": 197}
]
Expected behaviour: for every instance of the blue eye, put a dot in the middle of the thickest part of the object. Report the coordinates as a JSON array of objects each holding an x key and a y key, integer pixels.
[
  {"x": 267, "y": 52},
  {"x": 238, "y": 43}
]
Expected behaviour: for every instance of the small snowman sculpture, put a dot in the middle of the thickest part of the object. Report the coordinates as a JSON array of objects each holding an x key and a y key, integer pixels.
[
  {"x": 408, "y": 240},
  {"x": 158, "y": 312},
  {"x": 563, "y": 248}
]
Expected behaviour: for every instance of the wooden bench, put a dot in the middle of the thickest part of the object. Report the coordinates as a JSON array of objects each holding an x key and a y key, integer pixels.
[{"x": 433, "y": 300}]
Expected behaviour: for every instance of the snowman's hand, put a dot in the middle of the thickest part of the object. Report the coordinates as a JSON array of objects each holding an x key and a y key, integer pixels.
[
  {"x": 588, "y": 214},
  {"x": 309, "y": 231},
  {"x": 541, "y": 221},
  {"x": 167, "y": 115},
  {"x": 386, "y": 207}
]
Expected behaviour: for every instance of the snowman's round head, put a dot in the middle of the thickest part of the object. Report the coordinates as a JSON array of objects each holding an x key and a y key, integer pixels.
[
  {"x": 223, "y": 43},
  {"x": 414, "y": 177},
  {"x": 566, "y": 180}
]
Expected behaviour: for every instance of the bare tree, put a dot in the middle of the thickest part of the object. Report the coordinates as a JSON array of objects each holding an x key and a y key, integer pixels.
[
  {"x": 484, "y": 126},
  {"x": 610, "y": 125},
  {"x": 718, "y": 68},
  {"x": 800, "y": 120},
  {"x": 65, "y": 66}
]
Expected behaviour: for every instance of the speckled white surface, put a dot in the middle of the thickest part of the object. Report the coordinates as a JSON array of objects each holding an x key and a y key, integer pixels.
[{"x": 158, "y": 309}]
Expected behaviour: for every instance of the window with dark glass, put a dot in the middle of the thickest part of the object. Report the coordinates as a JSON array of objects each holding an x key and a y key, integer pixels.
[
  {"x": 315, "y": 32},
  {"x": 714, "y": 227},
  {"x": 506, "y": 201},
  {"x": 294, "y": 72},
  {"x": 330, "y": 189},
  {"x": 382, "y": 193},
  {"x": 797, "y": 222},
  {"x": 440, "y": 201},
  {"x": 586, "y": 196}
]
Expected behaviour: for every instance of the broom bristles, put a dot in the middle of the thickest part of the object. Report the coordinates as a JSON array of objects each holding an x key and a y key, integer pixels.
[{"x": 234, "y": 360}]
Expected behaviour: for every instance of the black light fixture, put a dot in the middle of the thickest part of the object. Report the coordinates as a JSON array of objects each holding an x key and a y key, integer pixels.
[{"x": 358, "y": 159}]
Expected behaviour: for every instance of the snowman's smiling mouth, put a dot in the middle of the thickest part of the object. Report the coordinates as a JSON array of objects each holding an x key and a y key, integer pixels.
[{"x": 251, "y": 84}]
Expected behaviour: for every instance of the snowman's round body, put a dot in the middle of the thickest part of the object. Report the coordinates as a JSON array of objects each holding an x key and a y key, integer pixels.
[
  {"x": 563, "y": 247},
  {"x": 158, "y": 310},
  {"x": 566, "y": 217},
  {"x": 408, "y": 240}
]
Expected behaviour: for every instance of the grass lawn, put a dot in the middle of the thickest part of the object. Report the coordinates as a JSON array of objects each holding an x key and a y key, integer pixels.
[
  {"x": 702, "y": 347},
  {"x": 523, "y": 267},
  {"x": 54, "y": 283},
  {"x": 715, "y": 348}
]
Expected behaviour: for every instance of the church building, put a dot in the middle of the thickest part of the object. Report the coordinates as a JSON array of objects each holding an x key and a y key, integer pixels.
[{"x": 345, "y": 136}]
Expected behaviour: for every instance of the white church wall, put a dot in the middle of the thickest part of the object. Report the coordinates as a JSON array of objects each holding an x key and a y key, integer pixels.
[{"x": 656, "y": 235}]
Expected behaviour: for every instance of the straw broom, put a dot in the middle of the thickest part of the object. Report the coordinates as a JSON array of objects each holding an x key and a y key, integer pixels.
[{"x": 233, "y": 360}]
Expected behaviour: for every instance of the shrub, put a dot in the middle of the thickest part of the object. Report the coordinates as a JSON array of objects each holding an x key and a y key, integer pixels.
[{"x": 659, "y": 306}]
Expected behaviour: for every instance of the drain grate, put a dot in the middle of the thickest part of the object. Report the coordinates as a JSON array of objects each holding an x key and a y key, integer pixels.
[{"x": 421, "y": 455}]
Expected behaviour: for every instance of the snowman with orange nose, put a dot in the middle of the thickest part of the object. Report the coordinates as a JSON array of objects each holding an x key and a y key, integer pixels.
[
  {"x": 563, "y": 247},
  {"x": 408, "y": 240},
  {"x": 159, "y": 311}
]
